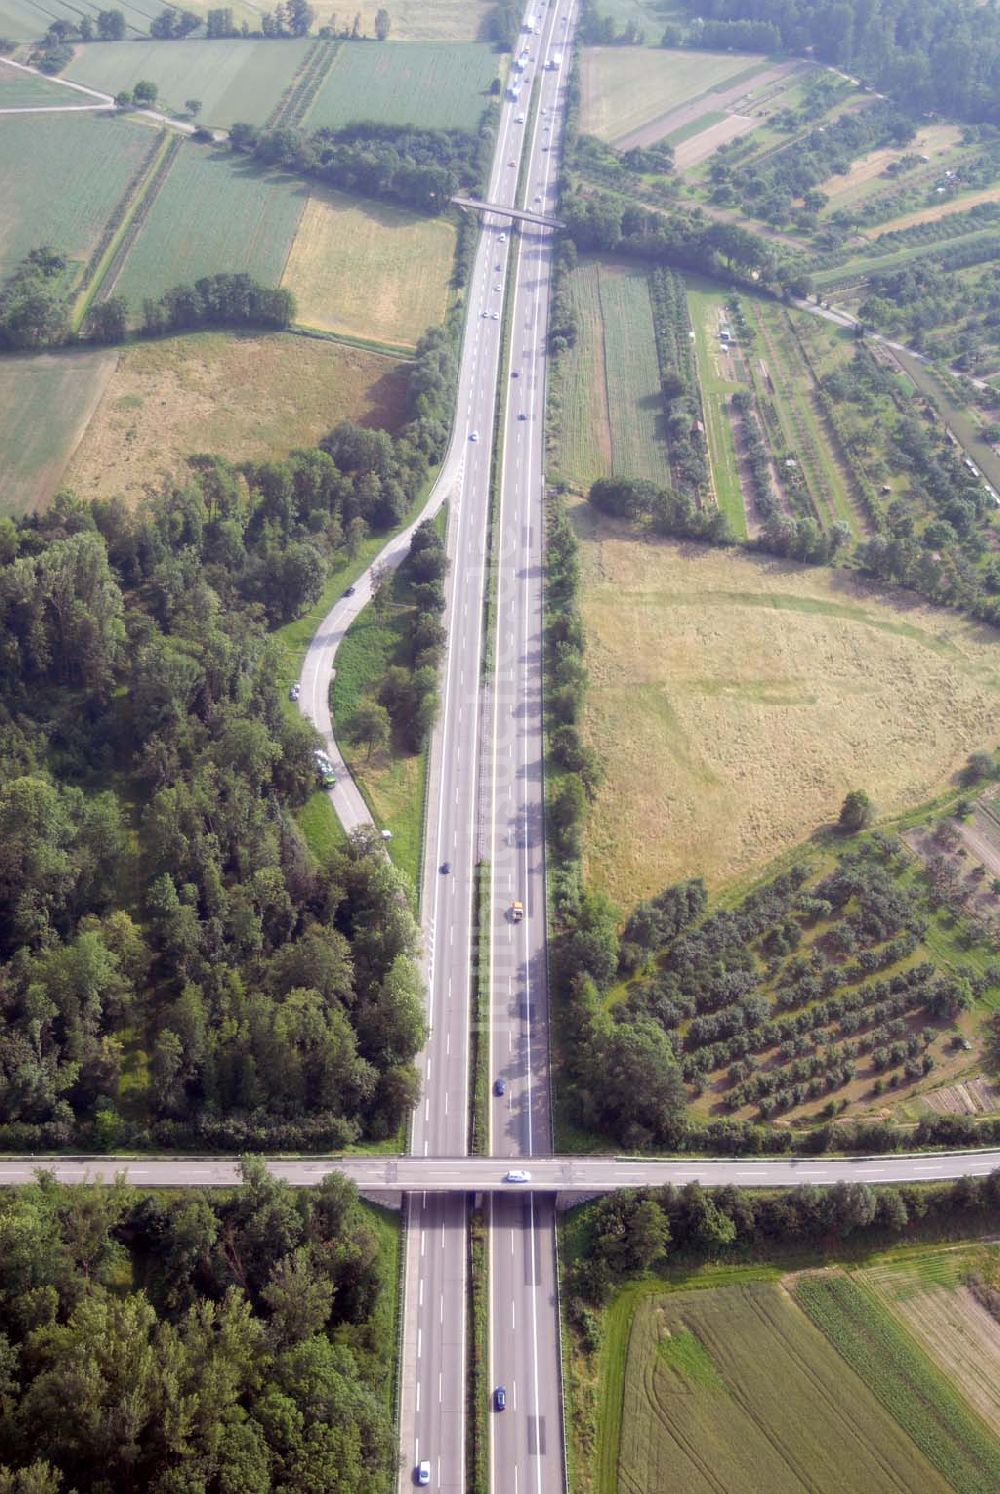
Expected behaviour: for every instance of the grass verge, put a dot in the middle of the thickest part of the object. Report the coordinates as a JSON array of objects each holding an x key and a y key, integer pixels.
[
  {"x": 387, "y": 1321},
  {"x": 479, "y": 1097},
  {"x": 478, "y": 1402}
]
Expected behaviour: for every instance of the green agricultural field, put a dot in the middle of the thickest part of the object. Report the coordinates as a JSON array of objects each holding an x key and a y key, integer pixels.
[
  {"x": 910, "y": 1387},
  {"x": 632, "y": 376},
  {"x": 582, "y": 428},
  {"x": 611, "y": 421},
  {"x": 26, "y": 20},
  {"x": 235, "y": 80},
  {"x": 45, "y": 404},
  {"x": 20, "y": 90},
  {"x": 215, "y": 212},
  {"x": 432, "y": 84},
  {"x": 626, "y": 88},
  {"x": 60, "y": 178},
  {"x": 733, "y": 1388}
]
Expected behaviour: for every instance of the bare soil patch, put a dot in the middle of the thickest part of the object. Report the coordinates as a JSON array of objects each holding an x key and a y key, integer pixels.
[
  {"x": 973, "y": 1097},
  {"x": 691, "y": 152},
  {"x": 245, "y": 398},
  {"x": 943, "y": 209},
  {"x": 720, "y": 97}
]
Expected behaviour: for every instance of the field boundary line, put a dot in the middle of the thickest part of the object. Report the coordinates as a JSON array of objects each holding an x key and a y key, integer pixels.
[
  {"x": 106, "y": 98},
  {"x": 109, "y": 233},
  {"x": 108, "y": 272},
  {"x": 351, "y": 340}
]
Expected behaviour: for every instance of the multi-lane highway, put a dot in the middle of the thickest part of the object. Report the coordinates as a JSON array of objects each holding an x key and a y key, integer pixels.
[
  {"x": 526, "y": 1441},
  {"x": 461, "y": 821},
  {"x": 433, "y": 1406},
  {"x": 461, "y": 1176}
]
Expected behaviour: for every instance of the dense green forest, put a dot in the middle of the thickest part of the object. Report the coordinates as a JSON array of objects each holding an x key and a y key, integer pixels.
[
  {"x": 174, "y": 964},
  {"x": 929, "y": 54},
  {"x": 226, "y": 1343}
]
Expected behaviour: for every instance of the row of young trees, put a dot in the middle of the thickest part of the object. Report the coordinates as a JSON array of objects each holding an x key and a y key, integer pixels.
[
  {"x": 289, "y": 18},
  {"x": 770, "y": 188},
  {"x": 249, "y": 1349}
]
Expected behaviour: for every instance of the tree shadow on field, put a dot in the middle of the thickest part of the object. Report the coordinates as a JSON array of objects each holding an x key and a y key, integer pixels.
[
  {"x": 389, "y": 396},
  {"x": 245, "y": 166}
]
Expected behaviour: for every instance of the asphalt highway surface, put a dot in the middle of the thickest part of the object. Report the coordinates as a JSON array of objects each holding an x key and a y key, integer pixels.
[
  {"x": 526, "y": 1437},
  {"x": 457, "y": 834},
  {"x": 433, "y": 1372}
]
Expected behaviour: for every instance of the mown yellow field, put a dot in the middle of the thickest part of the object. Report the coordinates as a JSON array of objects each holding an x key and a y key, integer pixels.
[
  {"x": 368, "y": 269},
  {"x": 245, "y": 398},
  {"x": 734, "y": 699}
]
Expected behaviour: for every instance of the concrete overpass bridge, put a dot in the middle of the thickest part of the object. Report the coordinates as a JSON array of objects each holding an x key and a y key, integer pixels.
[
  {"x": 569, "y": 1177},
  {"x": 521, "y": 215}
]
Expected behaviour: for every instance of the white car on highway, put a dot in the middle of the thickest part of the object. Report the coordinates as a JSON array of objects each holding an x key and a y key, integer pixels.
[{"x": 517, "y": 1175}]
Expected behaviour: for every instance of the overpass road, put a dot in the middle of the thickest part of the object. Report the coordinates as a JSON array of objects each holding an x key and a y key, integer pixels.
[{"x": 458, "y": 1177}]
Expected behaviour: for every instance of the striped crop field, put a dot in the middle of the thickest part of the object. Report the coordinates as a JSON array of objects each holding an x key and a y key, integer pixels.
[
  {"x": 910, "y": 1387},
  {"x": 930, "y": 1292},
  {"x": 61, "y": 176},
  {"x": 214, "y": 213},
  {"x": 627, "y": 88},
  {"x": 632, "y": 375},
  {"x": 235, "y": 80},
  {"x": 611, "y": 421},
  {"x": 26, "y": 20},
  {"x": 436, "y": 85},
  {"x": 584, "y": 430},
  {"x": 734, "y": 1388}
]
